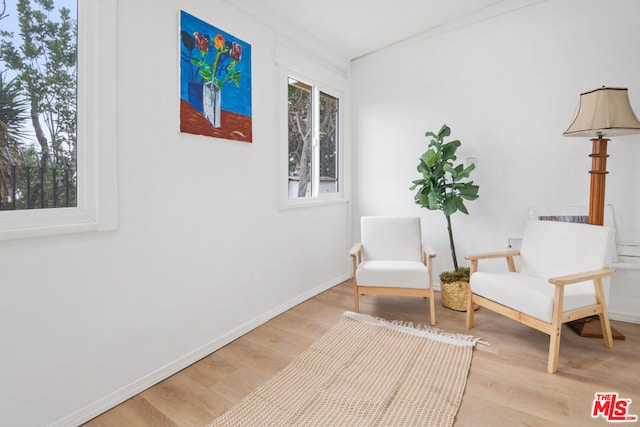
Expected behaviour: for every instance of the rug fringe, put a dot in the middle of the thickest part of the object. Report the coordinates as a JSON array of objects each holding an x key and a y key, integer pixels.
[{"x": 427, "y": 331}]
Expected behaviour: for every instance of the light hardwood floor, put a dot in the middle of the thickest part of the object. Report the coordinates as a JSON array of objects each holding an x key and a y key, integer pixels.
[{"x": 507, "y": 385}]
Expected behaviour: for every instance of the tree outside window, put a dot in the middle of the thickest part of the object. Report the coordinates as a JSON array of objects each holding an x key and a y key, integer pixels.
[
  {"x": 313, "y": 120},
  {"x": 38, "y": 139}
]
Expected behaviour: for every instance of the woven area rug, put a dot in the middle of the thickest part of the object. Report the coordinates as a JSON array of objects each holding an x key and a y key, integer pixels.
[{"x": 364, "y": 371}]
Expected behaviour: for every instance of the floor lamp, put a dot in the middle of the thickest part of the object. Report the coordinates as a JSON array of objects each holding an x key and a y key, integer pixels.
[{"x": 602, "y": 113}]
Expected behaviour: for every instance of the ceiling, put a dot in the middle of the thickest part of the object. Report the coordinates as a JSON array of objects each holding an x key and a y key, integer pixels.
[{"x": 354, "y": 28}]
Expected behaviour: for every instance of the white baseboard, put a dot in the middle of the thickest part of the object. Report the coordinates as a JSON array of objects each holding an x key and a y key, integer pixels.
[
  {"x": 113, "y": 399},
  {"x": 624, "y": 317}
]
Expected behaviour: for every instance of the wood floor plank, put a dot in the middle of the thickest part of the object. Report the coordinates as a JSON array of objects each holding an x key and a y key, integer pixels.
[
  {"x": 134, "y": 412},
  {"x": 178, "y": 398},
  {"x": 507, "y": 385}
]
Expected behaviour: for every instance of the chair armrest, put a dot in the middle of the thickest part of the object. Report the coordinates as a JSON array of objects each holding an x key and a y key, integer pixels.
[
  {"x": 356, "y": 257},
  {"x": 428, "y": 251},
  {"x": 488, "y": 255},
  {"x": 507, "y": 255},
  {"x": 582, "y": 277},
  {"x": 356, "y": 249}
]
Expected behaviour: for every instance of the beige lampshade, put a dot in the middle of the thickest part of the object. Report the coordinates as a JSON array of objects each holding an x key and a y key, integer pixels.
[{"x": 604, "y": 112}]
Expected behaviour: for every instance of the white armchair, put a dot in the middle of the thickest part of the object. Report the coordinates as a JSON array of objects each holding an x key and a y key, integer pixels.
[
  {"x": 561, "y": 268},
  {"x": 391, "y": 260}
]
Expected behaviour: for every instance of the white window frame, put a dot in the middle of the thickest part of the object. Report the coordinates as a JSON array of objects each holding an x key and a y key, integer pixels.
[
  {"x": 316, "y": 198},
  {"x": 97, "y": 186}
]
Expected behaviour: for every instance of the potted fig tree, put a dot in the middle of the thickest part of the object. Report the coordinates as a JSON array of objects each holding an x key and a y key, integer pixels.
[{"x": 444, "y": 186}]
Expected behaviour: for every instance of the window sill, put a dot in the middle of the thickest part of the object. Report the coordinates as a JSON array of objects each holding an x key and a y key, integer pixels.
[
  {"x": 312, "y": 202},
  {"x": 47, "y": 222}
]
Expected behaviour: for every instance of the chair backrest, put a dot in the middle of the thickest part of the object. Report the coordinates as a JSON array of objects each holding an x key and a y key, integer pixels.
[
  {"x": 391, "y": 238},
  {"x": 551, "y": 249}
]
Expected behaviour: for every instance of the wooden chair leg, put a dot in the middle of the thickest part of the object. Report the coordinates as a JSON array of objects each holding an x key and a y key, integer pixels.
[
  {"x": 556, "y": 330},
  {"x": 470, "y": 310},
  {"x": 604, "y": 316},
  {"x": 606, "y": 328},
  {"x": 432, "y": 307},
  {"x": 356, "y": 295},
  {"x": 554, "y": 349},
  {"x": 470, "y": 304},
  {"x": 356, "y": 304}
]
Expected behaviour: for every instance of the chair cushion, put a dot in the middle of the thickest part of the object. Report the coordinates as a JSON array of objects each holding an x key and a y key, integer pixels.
[
  {"x": 552, "y": 249},
  {"x": 391, "y": 238},
  {"x": 530, "y": 295},
  {"x": 400, "y": 274}
]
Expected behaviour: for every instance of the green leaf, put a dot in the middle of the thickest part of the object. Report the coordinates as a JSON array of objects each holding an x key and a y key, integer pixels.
[
  {"x": 464, "y": 173},
  {"x": 461, "y": 207},
  {"x": 432, "y": 199},
  {"x": 423, "y": 200},
  {"x": 205, "y": 74},
  {"x": 430, "y": 157},
  {"x": 469, "y": 192},
  {"x": 450, "y": 206},
  {"x": 455, "y": 174},
  {"x": 449, "y": 150},
  {"x": 234, "y": 77},
  {"x": 469, "y": 196},
  {"x": 418, "y": 182},
  {"x": 448, "y": 168},
  {"x": 444, "y": 131}
]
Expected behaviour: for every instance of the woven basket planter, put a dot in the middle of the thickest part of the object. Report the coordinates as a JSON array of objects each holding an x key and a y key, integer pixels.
[{"x": 454, "y": 295}]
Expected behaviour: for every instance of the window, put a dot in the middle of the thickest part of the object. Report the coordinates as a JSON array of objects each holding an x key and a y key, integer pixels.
[
  {"x": 92, "y": 204},
  {"x": 314, "y": 141},
  {"x": 38, "y": 143}
]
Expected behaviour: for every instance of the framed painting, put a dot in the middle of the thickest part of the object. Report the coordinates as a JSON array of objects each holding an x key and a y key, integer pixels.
[{"x": 215, "y": 81}]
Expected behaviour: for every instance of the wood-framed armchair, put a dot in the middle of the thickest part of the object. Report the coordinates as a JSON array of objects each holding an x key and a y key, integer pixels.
[
  {"x": 392, "y": 260},
  {"x": 561, "y": 270}
]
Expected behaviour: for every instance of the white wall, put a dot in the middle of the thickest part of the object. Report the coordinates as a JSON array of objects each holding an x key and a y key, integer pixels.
[
  {"x": 89, "y": 319},
  {"x": 508, "y": 86}
]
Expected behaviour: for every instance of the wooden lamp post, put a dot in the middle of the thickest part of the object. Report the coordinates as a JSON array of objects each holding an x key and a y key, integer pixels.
[{"x": 602, "y": 112}]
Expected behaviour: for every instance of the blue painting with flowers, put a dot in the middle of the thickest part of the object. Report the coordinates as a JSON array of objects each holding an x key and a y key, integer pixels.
[{"x": 215, "y": 81}]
